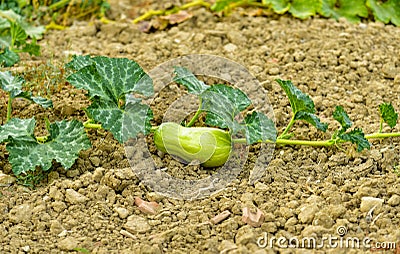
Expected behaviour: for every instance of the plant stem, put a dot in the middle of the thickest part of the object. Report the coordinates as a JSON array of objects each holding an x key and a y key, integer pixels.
[
  {"x": 196, "y": 116},
  {"x": 381, "y": 125},
  {"x": 152, "y": 13},
  {"x": 382, "y": 135},
  {"x": 287, "y": 128},
  {"x": 9, "y": 108},
  {"x": 329, "y": 142},
  {"x": 153, "y": 128}
]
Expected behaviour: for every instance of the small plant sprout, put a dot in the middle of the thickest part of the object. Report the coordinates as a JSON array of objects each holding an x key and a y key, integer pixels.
[{"x": 115, "y": 88}]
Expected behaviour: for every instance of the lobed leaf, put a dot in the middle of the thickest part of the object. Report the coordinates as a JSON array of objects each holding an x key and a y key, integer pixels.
[
  {"x": 110, "y": 82},
  {"x": 222, "y": 104},
  {"x": 388, "y": 11},
  {"x": 351, "y": 10},
  {"x": 15, "y": 128},
  {"x": 279, "y": 6},
  {"x": 304, "y": 8},
  {"x": 123, "y": 123},
  {"x": 342, "y": 117},
  {"x": 184, "y": 77},
  {"x": 221, "y": 5},
  {"x": 357, "y": 137},
  {"x": 259, "y": 128},
  {"x": 301, "y": 104},
  {"x": 67, "y": 139},
  {"x": 388, "y": 114},
  {"x": 13, "y": 86},
  {"x": 8, "y": 57}
]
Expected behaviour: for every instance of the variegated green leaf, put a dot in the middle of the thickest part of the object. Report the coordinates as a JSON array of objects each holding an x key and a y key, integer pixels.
[
  {"x": 184, "y": 77},
  {"x": 66, "y": 140},
  {"x": 259, "y": 128},
  {"x": 13, "y": 85},
  {"x": 123, "y": 123},
  {"x": 21, "y": 129}
]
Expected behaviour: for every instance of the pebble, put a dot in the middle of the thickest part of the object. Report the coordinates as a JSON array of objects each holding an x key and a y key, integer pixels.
[
  {"x": 394, "y": 200},
  {"x": 137, "y": 224},
  {"x": 307, "y": 213},
  {"x": 20, "y": 213},
  {"x": 74, "y": 197},
  {"x": 245, "y": 235},
  {"x": 7, "y": 180},
  {"x": 68, "y": 244},
  {"x": 122, "y": 212},
  {"x": 252, "y": 217},
  {"x": 367, "y": 203},
  {"x": 323, "y": 219},
  {"x": 230, "y": 47}
]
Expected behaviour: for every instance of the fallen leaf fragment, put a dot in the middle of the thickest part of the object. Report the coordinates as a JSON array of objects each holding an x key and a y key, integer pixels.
[
  {"x": 146, "y": 207},
  {"x": 220, "y": 217},
  {"x": 253, "y": 217},
  {"x": 177, "y": 18}
]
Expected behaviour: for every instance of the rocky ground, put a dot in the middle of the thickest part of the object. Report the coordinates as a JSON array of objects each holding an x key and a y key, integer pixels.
[{"x": 305, "y": 192}]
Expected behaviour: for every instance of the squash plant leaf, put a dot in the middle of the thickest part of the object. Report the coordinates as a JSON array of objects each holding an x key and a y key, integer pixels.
[
  {"x": 388, "y": 114},
  {"x": 13, "y": 86},
  {"x": 351, "y": 10},
  {"x": 279, "y": 6},
  {"x": 124, "y": 123},
  {"x": 222, "y": 104},
  {"x": 357, "y": 137},
  {"x": 8, "y": 57},
  {"x": 342, "y": 117},
  {"x": 386, "y": 11},
  {"x": 259, "y": 128},
  {"x": 301, "y": 104},
  {"x": 304, "y": 8},
  {"x": 65, "y": 142},
  {"x": 110, "y": 81},
  {"x": 19, "y": 129},
  {"x": 184, "y": 77}
]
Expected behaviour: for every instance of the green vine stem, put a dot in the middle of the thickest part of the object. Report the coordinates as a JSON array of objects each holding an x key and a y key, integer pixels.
[
  {"x": 9, "y": 108},
  {"x": 284, "y": 133},
  {"x": 152, "y": 13},
  {"x": 330, "y": 142},
  {"x": 196, "y": 116},
  {"x": 90, "y": 125}
]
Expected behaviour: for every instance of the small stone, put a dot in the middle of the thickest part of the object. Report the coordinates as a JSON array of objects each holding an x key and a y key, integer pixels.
[
  {"x": 181, "y": 215},
  {"x": 98, "y": 174},
  {"x": 274, "y": 71},
  {"x": 137, "y": 224},
  {"x": 72, "y": 173},
  {"x": 20, "y": 213},
  {"x": 389, "y": 70},
  {"x": 230, "y": 47},
  {"x": 323, "y": 219},
  {"x": 95, "y": 161},
  {"x": 226, "y": 246},
  {"x": 122, "y": 212},
  {"x": 56, "y": 227},
  {"x": 367, "y": 203},
  {"x": 58, "y": 206},
  {"x": 307, "y": 213},
  {"x": 74, "y": 197},
  {"x": 254, "y": 218},
  {"x": 394, "y": 200},
  {"x": 7, "y": 180},
  {"x": 68, "y": 244},
  {"x": 220, "y": 217},
  {"x": 146, "y": 207},
  {"x": 245, "y": 235},
  {"x": 26, "y": 248}
]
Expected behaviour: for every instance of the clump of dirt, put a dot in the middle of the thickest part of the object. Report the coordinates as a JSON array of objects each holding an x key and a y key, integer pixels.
[{"x": 306, "y": 191}]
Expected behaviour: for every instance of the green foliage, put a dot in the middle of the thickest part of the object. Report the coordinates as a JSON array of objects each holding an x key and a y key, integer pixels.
[
  {"x": 384, "y": 11},
  {"x": 13, "y": 86},
  {"x": 301, "y": 104},
  {"x": 223, "y": 104},
  {"x": 26, "y": 153},
  {"x": 388, "y": 114},
  {"x": 355, "y": 136},
  {"x": 17, "y": 35},
  {"x": 109, "y": 82}
]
